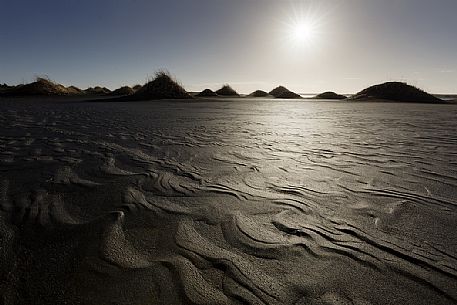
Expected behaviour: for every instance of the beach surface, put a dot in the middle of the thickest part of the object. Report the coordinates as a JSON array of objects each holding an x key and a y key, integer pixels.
[{"x": 234, "y": 201}]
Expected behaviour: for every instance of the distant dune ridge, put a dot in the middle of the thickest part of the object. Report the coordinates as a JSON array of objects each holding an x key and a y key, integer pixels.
[
  {"x": 329, "y": 95},
  {"x": 42, "y": 86},
  {"x": 72, "y": 90},
  {"x": 226, "y": 90},
  {"x": 207, "y": 93},
  {"x": 396, "y": 91},
  {"x": 259, "y": 93},
  {"x": 97, "y": 90},
  {"x": 125, "y": 90},
  {"x": 163, "y": 86}
]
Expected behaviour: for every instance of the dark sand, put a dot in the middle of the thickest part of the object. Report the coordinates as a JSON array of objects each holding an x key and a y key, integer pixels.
[{"x": 227, "y": 202}]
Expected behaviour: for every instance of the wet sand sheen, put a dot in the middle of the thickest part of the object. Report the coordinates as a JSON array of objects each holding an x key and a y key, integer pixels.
[{"x": 229, "y": 202}]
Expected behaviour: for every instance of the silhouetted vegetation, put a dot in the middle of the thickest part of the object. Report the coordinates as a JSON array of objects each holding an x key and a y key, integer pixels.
[
  {"x": 259, "y": 93},
  {"x": 226, "y": 90},
  {"x": 207, "y": 93},
  {"x": 330, "y": 96},
  {"x": 396, "y": 91},
  {"x": 163, "y": 86},
  {"x": 4, "y": 88}
]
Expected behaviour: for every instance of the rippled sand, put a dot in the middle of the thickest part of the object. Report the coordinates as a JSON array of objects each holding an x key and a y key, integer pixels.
[{"x": 228, "y": 202}]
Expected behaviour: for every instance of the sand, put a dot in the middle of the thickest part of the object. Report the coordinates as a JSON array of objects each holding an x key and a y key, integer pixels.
[{"x": 227, "y": 202}]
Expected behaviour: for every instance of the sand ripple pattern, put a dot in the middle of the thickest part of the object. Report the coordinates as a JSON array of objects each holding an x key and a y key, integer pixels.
[{"x": 227, "y": 203}]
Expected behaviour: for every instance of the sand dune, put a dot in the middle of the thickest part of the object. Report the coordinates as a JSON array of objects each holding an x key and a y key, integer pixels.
[
  {"x": 259, "y": 93},
  {"x": 97, "y": 91},
  {"x": 396, "y": 91},
  {"x": 268, "y": 202},
  {"x": 284, "y": 93},
  {"x": 124, "y": 90},
  {"x": 329, "y": 95},
  {"x": 207, "y": 93},
  {"x": 41, "y": 87},
  {"x": 163, "y": 86}
]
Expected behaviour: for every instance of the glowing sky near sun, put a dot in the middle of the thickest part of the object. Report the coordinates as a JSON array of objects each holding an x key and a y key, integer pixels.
[{"x": 309, "y": 46}]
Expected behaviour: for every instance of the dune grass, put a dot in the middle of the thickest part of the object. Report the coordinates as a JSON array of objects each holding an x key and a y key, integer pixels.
[
  {"x": 162, "y": 86},
  {"x": 226, "y": 90}
]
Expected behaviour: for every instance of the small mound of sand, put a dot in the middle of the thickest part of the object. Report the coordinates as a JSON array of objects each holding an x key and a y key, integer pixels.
[
  {"x": 97, "y": 91},
  {"x": 226, "y": 90},
  {"x": 259, "y": 93},
  {"x": 396, "y": 91},
  {"x": 278, "y": 91},
  {"x": 283, "y": 92},
  {"x": 41, "y": 86},
  {"x": 125, "y": 90},
  {"x": 163, "y": 86},
  {"x": 207, "y": 93},
  {"x": 72, "y": 90},
  {"x": 330, "y": 96}
]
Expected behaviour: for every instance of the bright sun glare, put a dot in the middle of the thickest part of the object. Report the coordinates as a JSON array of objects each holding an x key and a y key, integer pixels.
[
  {"x": 303, "y": 29},
  {"x": 303, "y": 32}
]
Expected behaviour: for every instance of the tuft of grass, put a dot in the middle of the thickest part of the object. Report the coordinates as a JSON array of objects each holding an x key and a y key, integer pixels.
[
  {"x": 226, "y": 90},
  {"x": 162, "y": 86}
]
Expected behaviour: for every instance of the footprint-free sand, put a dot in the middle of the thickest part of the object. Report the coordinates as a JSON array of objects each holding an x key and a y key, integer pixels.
[{"x": 227, "y": 202}]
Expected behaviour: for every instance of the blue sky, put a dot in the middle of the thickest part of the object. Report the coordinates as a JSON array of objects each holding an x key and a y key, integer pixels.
[{"x": 206, "y": 43}]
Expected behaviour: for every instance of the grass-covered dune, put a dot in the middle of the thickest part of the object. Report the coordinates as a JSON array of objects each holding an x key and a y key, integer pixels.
[
  {"x": 163, "y": 86},
  {"x": 226, "y": 90},
  {"x": 396, "y": 91},
  {"x": 41, "y": 87}
]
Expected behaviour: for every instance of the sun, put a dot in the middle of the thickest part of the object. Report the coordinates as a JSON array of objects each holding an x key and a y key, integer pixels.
[
  {"x": 303, "y": 32},
  {"x": 304, "y": 27}
]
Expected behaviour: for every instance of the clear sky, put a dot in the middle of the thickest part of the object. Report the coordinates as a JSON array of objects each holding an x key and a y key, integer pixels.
[{"x": 308, "y": 46}]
